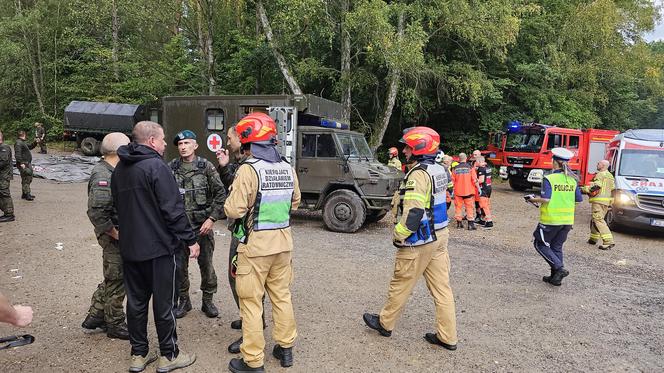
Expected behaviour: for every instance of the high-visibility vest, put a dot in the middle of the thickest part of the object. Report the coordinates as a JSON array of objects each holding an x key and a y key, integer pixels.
[
  {"x": 560, "y": 208},
  {"x": 271, "y": 210},
  {"x": 435, "y": 211},
  {"x": 607, "y": 184}
]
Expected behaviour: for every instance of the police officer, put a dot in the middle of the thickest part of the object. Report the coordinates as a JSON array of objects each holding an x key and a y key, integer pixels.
[
  {"x": 600, "y": 192},
  {"x": 204, "y": 197},
  {"x": 24, "y": 164},
  {"x": 106, "y": 309},
  {"x": 6, "y": 203},
  {"x": 261, "y": 197},
  {"x": 394, "y": 161},
  {"x": 560, "y": 193},
  {"x": 421, "y": 236}
]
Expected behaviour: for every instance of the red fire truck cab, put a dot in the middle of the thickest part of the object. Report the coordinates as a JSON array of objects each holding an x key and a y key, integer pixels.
[{"x": 526, "y": 152}]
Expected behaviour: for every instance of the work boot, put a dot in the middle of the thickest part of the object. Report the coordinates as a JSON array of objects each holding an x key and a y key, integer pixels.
[
  {"x": 548, "y": 278},
  {"x": 433, "y": 339},
  {"x": 459, "y": 224},
  {"x": 139, "y": 363},
  {"x": 471, "y": 226},
  {"x": 209, "y": 309},
  {"x": 234, "y": 348},
  {"x": 285, "y": 355},
  {"x": 238, "y": 365},
  {"x": 591, "y": 241},
  {"x": 478, "y": 220},
  {"x": 6, "y": 218},
  {"x": 557, "y": 277},
  {"x": 373, "y": 321},
  {"x": 117, "y": 331},
  {"x": 93, "y": 322},
  {"x": 29, "y": 197},
  {"x": 607, "y": 247},
  {"x": 236, "y": 324},
  {"x": 182, "y": 360},
  {"x": 184, "y": 306},
  {"x": 488, "y": 225}
]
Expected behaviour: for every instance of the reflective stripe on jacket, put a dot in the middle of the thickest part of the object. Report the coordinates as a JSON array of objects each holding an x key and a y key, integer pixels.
[
  {"x": 606, "y": 182},
  {"x": 560, "y": 208}
]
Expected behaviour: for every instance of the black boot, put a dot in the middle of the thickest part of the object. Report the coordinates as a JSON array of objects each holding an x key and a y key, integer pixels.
[
  {"x": 239, "y": 366},
  {"x": 234, "y": 348},
  {"x": 433, "y": 339},
  {"x": 118, "y": 332},
  {"x": 488, "y": 224},
  {"x": 93, "y": 322},
  {"x": 184, "y": 306},
  {"x": 557, "y": 277},
  {"x": 6, "y": 218},
  {"x": 548, "y": 278},
  {"x": 209, "y": 309},
  {"x": 236, "y": 324},
  {"x": 285, "y": 355},
  {"x": 459, "y": 224},
  {"x": 471, "y": 226},
  {"x": 373, "y": 321},
  {"x": 28, "y": 197}
]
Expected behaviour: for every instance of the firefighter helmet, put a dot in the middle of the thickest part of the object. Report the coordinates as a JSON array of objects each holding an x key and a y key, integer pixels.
[
  {"x": 423, "y": 140},
  {"x": 256, "y": 127},
  {"x": 393, "y": 152}
]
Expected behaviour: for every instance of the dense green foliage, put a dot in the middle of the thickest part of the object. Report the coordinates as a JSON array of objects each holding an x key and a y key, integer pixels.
[{"x": 464, "y": 66}]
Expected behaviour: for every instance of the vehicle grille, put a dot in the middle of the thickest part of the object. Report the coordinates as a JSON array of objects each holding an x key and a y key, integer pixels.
[
  {"x": 651, "y": 202},
  {"x": 519, "y": 160},
  {"x": 373, "y": 174}
]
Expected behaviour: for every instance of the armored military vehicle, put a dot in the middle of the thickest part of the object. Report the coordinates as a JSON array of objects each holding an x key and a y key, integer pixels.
[{"x": 335, "y": 167}]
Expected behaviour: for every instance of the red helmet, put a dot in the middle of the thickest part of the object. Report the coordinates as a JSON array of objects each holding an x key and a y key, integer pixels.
[
  {"x": 393, "y": 152},
  {"x": 256, "y": 127},
  {"x": 423, "y": 140}
]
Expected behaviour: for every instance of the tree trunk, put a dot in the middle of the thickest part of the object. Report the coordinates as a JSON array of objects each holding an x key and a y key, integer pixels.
[
  {"x": 205, "y": 43},
  {"x": 212, "y": 83},
  {"x": 31, "y": 61},
  {"x": 115, "y": 29},
  {"x": 281, "y": 61},
  {"x": 345, "y": 64},
  {"x": 393, "y": 77}
]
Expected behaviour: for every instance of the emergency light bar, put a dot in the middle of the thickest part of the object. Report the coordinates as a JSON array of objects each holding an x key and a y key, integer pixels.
[{"x": 321, "y": 122}]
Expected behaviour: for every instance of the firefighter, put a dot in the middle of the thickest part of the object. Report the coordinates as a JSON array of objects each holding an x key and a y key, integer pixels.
[
  {"x": 445, "y": 161},
  {"x": 560, "y": 193},
  {"x": 464, "y": 178},
  {"x": 261, "y": 197},
  {"x": 600, "y": 190},
  {"x": 421, "y": 236},
  {"x": 394, "y": 161}
]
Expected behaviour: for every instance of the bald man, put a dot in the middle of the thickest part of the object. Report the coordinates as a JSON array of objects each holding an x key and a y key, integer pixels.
[
  {"x": 600, "y": 191},
  {"x": 106, "y": 309}
]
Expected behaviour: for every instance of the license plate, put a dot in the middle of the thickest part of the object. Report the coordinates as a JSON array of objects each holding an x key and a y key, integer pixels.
[
  {"x": 657, "y": 222},
  {"x": 517, "y": 165},
  {"x": 512, "y": 172}
]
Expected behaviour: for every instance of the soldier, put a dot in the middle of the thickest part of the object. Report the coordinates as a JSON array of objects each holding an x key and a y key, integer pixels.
[
  {"x": 24, "y": 164},
  {"x": 6, "y": 175},
  {"x": 40, "y": 137},
  {"x": 421, "y": 236},
  {"x": 600, "y": 190},
  {"x": 204, "y": 196},
  {"x": 263, "y": 193},
  {"x": 106, "y": 310}
]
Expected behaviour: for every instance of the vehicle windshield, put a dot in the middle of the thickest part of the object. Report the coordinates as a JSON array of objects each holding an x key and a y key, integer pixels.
[
  {"x": 524, "y": 141},
  {"x": 354, "y": 146},
  {"x": 642, "y": 163}
]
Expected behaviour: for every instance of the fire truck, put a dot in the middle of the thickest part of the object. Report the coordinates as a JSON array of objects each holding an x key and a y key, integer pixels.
[{"x": 523, "y": 152}]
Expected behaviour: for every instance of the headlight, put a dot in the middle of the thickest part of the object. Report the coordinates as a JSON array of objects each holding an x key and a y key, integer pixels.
[{"x": 624, "y": 198}]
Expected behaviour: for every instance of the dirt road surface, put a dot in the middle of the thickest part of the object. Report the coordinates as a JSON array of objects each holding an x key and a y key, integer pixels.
[{"x": 607, "y": 316}]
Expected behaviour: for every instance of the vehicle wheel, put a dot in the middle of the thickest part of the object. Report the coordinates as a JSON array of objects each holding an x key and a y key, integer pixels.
[
  {"x": 343, "y": 211},
  {"x": 90, "y": 146},
  {"x": 518, "y": 186},
  {"x": 375, "y": 215},
  {"x": 610, "y": 219}
]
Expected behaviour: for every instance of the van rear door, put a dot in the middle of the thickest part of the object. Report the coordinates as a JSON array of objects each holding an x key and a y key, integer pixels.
[{"x": 286, "y": 120}]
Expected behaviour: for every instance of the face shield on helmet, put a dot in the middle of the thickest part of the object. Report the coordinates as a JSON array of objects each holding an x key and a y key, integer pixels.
[
  {"x": 256, "y": 127},
  {"x": 422, "y": 140}
]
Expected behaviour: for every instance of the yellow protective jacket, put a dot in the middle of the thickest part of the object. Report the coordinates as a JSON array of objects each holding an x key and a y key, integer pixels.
[
  {"x": 394, "y": 162},
  {"x": 240, "y": 203},
  {"x": 416, "y": 196},
  {"x": 605, "y": 180}
]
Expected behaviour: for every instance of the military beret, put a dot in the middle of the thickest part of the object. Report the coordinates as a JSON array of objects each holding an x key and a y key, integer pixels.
[
  {"x": 183, "y": 135},
  {"x": 562, "y": 154}
]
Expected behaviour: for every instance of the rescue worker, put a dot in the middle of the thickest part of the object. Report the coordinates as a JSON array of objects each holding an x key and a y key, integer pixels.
[
  {"x": 600, "y": 191},
  {"x": 264, "y": 192},
  {"x": 394, "y": 161},
  {"x": 484, "y": 181},
  {"x": 465, "y": 185},
  {"x": 445, "y": 160},
  {"x": 40, "y": 137},
  {"x": 474, "y": 156},
  {"x": 24, "y": 164},
  {"x": 421, "y": 236},
  {"x": 6, "y": 175},
  {"x": 560, "y": 193},
  {"x": 107, "y": 304},
  {"x": 203, "y": 195}
]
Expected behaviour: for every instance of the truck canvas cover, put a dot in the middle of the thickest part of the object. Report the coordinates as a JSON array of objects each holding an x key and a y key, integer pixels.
[{"x": 102, "y": 117}]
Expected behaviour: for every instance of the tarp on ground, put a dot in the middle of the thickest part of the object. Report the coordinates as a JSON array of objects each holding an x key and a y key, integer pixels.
[{"x": 63, "y": 168}]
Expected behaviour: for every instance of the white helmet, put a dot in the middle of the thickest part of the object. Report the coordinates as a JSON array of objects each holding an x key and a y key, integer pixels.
[{"x": 439, "y": 156}]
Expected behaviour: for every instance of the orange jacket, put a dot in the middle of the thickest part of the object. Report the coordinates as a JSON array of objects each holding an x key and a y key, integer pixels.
[{"x": 464, "y": 178}]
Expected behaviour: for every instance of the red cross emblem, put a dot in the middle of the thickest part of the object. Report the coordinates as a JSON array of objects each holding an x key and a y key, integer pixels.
[{"x": 214, "y": 142}]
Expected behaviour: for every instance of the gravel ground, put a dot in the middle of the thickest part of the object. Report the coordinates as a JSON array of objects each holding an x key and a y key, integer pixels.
[{"x": 607, "y": 316}]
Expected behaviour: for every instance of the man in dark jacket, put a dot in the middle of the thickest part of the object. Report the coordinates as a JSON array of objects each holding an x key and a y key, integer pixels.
[
  {"x": 24, "y": 164},
  {"x": 153, "y": 223},
  {"x": 6, "y": 175}
]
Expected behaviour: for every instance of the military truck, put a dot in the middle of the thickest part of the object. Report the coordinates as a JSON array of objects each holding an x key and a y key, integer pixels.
[
  {"x": 335, "y": 167},
  {"x": 90, "y": 121}
]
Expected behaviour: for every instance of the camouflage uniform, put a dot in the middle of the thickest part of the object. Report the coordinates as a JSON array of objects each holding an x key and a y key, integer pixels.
[
  {"x": 40, "y": 138},
  {"x": 23, "y": 156},
  {"x": 6, "y": 204},
  {"x": 204, "y": 198},
  {"x": 107, "y": 300}
]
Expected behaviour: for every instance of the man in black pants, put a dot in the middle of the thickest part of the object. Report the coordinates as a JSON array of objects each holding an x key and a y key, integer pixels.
[{"x": 153, "y": 223}]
